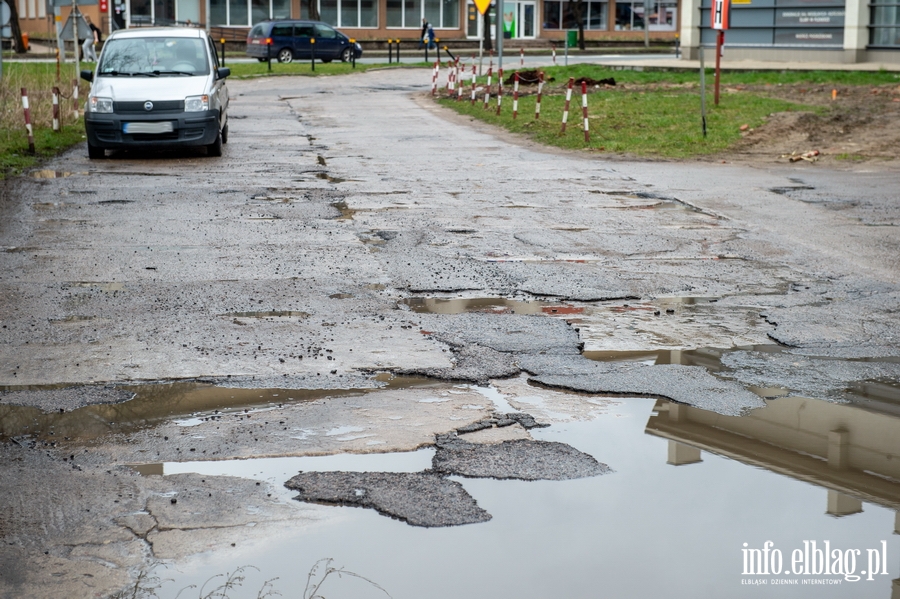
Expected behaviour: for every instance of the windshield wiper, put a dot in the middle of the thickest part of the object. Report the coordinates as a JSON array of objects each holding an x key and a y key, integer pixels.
[
  {"x": 189, "y": 74},
  {"x": 143, "y": 74}
]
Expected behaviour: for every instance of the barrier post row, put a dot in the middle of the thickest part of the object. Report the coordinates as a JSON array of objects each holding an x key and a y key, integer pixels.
[
  {"x": 537, "y": 103},
  {"x": 487, "y": 89},
  {"x": 28, "y": 127},
  {"x": 587, "y": 135},
  {"x": 499, "y": 89},
  {"x": 56, "y": 109},
  {"x": 516, "y": 97},
  {"x": 568, "y": 100},
  {"x": 474, "y": 81},
  {"x": 75, "y": 98}
]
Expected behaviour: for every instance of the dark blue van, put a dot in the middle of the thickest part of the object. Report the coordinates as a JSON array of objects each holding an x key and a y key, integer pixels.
[{"x": 290, "y": 40}]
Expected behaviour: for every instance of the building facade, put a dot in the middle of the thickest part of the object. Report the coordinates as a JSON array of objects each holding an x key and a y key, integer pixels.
[
  {"x": 384, "y": 19},
  {"x": 835, "y": 31}
]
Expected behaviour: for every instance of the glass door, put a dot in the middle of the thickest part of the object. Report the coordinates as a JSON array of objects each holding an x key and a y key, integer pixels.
[{"x": 526, "y": 29}]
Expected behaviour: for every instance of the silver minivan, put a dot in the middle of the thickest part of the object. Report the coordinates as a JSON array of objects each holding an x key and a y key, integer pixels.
[{"x": 156, "y": 88}]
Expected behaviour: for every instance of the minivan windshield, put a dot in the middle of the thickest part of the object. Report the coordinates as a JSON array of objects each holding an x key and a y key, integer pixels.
[{"x": 154, "y": 57}]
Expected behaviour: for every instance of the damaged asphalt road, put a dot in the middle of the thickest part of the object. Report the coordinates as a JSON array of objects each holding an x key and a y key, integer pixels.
[{"x": 260, "y": 305}]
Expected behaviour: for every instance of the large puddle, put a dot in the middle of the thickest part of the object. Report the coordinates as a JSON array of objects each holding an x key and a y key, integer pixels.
[{"x": 691, "y": 497}]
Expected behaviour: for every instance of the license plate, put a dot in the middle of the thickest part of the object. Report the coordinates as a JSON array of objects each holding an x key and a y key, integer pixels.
[{"x": 157, "y": 127}]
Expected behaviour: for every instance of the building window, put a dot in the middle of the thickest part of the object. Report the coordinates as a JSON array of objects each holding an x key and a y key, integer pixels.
[
  {"x": 629, "y": 15},
  {"x": 561, "y": 14},
  {"x": 349, "y": 13},
  {"x": 663, "y": 15},
  {"x": 408, "y": 14},
  {"x": 885, "y": 28}
]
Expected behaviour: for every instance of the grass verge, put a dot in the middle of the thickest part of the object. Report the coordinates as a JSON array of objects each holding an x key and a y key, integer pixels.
[
  {"x": 651, "y": 113},
  {"x": 39, "y": 79}
]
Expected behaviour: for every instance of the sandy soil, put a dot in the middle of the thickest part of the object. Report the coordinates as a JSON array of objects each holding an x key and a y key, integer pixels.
[{"x": 859, "y": 124}]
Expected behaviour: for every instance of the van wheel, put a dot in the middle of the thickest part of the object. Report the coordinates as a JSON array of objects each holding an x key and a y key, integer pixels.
[
  {"x": 95, "y": 153},
  {"x": 346, "y": 54},
  {"x": 285, "y": 55},
  {"x": 225, "y": 134},
  {"x": 215, "y": 148}
]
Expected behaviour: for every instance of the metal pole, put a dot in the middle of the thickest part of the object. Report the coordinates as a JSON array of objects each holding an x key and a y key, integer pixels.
[
  {"x": 499, "y": 28},
  {"x": 75, "y": 15},
  {"x": 223, "y": 51},
  {"x": 702, "y": 91},
  {"x": 646, "y": 25},
  {"x": 312, "y": 53},
  {"x": 720, "y": 40}
]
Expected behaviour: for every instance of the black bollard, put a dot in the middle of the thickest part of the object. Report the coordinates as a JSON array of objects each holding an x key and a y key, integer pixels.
[
  {"x": 312, "y": 52},
  {"x": 223, "y": 51},
  {"x": 269, "y": 54}
]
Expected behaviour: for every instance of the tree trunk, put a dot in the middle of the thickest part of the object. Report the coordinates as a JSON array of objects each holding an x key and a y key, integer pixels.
[
  {"x": 312, "y": 10},
  {"x": 576, "y": 8},
  {"x": 16, "y": 30},
  {"x": 486, "y": 25}
]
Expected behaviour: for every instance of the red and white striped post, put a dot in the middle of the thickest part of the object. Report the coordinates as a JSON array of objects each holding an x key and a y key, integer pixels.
[
  {"x": 499, "y": 89},
  {"x": 516, "y": 97},
  {"x": 474, "y": 82},
  {"x": 28, "y": 127},
  {"x": 461, "y": 75},
  {"x": 487, "y": 90},
  {"x": 75, "y": 97},
  {"x": 587, "y": 135},
  {"x": 537, "y": 103},
  {"x": 522, "y": 57},
  {"x": 554, "y": 54},
  {"x": 568, "y": 100},
  {"x": 434, "y": 77},
  {"x": 56, "y": 109}
]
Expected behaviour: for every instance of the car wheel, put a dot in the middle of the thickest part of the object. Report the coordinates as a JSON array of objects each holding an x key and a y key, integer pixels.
[
  {"x": 346, "y": 54},
  {"x": 225, "y": 134},
  {"x": 215, "y": 148},
  {"x": 285, "y": 55},
  {"x": 262, "y": 59},
  {"x": 326, "y": 60},
  {"x": 95, "y": 153}
]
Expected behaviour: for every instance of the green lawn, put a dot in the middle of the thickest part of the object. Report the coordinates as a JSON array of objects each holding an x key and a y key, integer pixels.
[{"x": 651, "y": 113}]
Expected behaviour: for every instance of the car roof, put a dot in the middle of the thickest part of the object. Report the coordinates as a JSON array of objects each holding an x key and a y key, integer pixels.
[{"x": 145, "y": 32}]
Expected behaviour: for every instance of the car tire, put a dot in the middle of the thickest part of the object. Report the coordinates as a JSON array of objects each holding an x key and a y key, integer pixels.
[
  {"x": 326, "y": 60},
  {"x": 95, "y": 153},
  {"x": 225, "y": 134},
  {"x": 346, "y": 54},
  {"x": 285, "y": 55},
  {"x": 262, "y": 59},
  {"x": 215, "y": 148}
]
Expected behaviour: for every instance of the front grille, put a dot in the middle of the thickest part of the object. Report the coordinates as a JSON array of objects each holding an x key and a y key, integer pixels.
[
  {"x": 138, "y": 107},
  {"x": 155, "y": 137}
]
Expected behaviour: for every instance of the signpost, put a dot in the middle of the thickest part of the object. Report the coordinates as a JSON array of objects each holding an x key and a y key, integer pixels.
[
  {"x": 720, "y": 10},
  {"x": 482, "y": 6}
]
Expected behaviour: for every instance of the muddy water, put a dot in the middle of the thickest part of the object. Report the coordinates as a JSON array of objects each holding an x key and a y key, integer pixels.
[{"x": 689, "y": 488}]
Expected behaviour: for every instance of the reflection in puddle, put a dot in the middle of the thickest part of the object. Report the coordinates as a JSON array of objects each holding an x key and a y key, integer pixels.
[
  {"x": 155, "y": 403},
  {"x": 671, "y": 521},
  {"x": 50, "y": 174},
  {"x": 665, "y": 322}
]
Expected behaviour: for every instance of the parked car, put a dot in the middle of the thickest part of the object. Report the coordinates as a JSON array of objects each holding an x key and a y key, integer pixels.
[
  {"x": 289, "y": 40},
  {"x": 157, "y": 87}
]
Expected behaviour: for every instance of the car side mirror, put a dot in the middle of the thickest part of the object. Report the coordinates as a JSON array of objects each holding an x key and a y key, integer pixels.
[
  {"x": 87, "y": 75},
  {"x": 223, "y": 72}
]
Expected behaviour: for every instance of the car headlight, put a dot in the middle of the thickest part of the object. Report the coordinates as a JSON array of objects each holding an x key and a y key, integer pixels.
[
  {"x": 196, "y": 103},
  {"x": 104, "y": 105}
]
